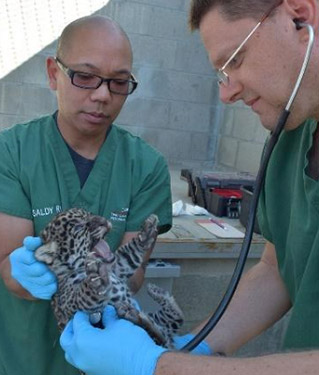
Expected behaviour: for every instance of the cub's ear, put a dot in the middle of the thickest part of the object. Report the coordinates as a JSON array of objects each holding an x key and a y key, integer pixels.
[{"x": 46, "y": 253}]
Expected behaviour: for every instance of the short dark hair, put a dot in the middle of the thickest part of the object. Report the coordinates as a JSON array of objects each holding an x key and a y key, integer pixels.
[{"x": 231, "y": 9}]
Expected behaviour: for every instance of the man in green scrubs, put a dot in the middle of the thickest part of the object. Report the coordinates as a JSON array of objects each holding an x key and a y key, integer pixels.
[{"x": 76, "y": 157}]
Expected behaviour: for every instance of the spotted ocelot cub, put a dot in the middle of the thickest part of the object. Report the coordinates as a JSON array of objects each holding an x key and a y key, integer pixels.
[{"x": 90, "y": 276}]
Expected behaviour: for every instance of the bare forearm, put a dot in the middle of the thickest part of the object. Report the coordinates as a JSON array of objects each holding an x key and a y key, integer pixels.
[
  {"x": 12, "y": 232},
  {"x": 261, "y": 300},
  {"x": 279, "y": 364},
  {"x": 12, "y": 285}
]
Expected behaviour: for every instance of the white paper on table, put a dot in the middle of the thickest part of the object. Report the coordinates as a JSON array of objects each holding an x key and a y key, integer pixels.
[
  {"x": 228, "y": 232},
  {"x": 179, "y": 208}
]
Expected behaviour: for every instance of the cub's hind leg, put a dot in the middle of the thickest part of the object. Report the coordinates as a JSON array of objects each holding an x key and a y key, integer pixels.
[
  {"x": 169, "y": 318},
  {"x": 127, "y": 311}
]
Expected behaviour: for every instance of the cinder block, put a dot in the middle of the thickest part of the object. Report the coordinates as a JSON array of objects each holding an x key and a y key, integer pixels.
[
  {"x": 32, "y": 71},
  {"x": 176, "y": 144},
  {"x": 228, "y": 121},
  {"x": 261, "y": 133},
  {"x": 198, "y": 296},
  {"x": 172, "y": 85},
  {"x": 152, "y": 136},
  {"x": 172, "y": 144},
  {"x": 171, "y": 4},
  {"x": 9, "y": 120},
  {"x": 10, "y": 97},
  {"x": 227, "y": 151},
  {"x": 38, "y": 101},
  {"x": 166, "y": 23},
  {"x": 50, "y": 50},
  {"x": 249, "y": 155},
  {"x": 131, "y": 15},
  {"x": 153, "y": 51},
  {"x": 186, "y": 6},
  {"x": 216, "y": 267},
  {"x": 188, "y": 116},
  {"x": 192, "y": 57},
  {"x": 244, "y": 124},
  {"x": 145, "y": 112},
  {"x": 199, "y": 146}
]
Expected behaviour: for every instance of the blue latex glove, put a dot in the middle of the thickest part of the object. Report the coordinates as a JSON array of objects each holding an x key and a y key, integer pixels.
[
  {"x": 122, "y": 348},
  {"x": 201, "y": 349},
  {"x": 33, "y": 275}
]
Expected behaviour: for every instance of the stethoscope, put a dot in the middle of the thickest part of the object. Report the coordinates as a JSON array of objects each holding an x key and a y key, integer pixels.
[{"x": 254, "y": 203}]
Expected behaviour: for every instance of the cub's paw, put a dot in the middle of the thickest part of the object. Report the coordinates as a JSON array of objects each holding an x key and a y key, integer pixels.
[
  {"x": 97, "y": 274},
  {"x": 148, "y": 234},
  {"x": 127, "y": 311},
  {"x": 160, "y": 295}
]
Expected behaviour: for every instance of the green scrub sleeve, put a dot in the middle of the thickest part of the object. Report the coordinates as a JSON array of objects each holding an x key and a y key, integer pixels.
[{"x": 13, "y": 199}]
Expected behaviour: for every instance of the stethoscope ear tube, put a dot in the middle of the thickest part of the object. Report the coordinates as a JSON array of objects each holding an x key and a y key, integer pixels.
[{"x": 209, "y": 326}]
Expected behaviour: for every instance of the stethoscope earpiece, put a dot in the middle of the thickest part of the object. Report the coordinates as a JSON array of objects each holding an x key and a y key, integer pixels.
[{"x": 298, "y": 23}]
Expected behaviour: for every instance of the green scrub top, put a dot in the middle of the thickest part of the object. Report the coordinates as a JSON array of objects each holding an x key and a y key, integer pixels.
[
  {"x": 38, "y": 179},
  {"x": 289, "y": 216}
]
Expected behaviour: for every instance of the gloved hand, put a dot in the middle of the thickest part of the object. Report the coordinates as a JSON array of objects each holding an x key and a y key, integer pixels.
[
  {"x": 33, "y": 275},
  {"x": 201, "y": 349},
  {"x": 122, "y": 348}
]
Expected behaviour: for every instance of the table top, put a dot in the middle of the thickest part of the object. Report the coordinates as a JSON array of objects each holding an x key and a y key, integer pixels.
[{"x": 188, "y": 239}]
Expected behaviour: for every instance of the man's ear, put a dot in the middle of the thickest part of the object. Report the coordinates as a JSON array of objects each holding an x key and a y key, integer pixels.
[
  {"x": 52, "y": 70},
  {"x": 306, "y": 11}
]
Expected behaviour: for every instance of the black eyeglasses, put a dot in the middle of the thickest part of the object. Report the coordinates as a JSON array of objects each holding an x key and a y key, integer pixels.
[{"x": 92, "y": 81}]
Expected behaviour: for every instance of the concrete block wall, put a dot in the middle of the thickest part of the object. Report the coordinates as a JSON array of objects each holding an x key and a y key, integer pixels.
[
  {"x": 241, "y": 139},
  {"x": 24, "y": 93},
  {"x": 176, "y": 107}
]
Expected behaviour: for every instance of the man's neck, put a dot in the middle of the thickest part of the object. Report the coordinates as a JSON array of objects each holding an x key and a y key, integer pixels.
[
  {"x": 85, "y": 145},
  {"x": 88, "y": 148}
]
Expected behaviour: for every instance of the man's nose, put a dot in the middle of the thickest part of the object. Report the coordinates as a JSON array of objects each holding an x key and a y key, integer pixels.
[
  {"x": 231, "y": 93},
  {"x": 102, "y": 93}
]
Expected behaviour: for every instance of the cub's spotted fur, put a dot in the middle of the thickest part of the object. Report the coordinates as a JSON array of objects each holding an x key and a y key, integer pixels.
[{"x": 90, "y": 276}]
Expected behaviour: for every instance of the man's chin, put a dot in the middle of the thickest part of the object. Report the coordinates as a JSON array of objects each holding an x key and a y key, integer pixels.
[
  {"x": 270, "y": 123},
  {"x": 270, "y": 126},
  {"x": 289, "y": 126}
]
